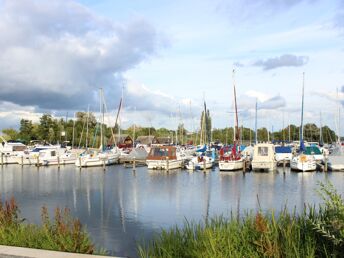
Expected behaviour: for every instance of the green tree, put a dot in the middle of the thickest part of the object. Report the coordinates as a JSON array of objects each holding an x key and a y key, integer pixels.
[
  {"x": 206, "y": 124},
  {"x": 11, "y": 133},
  {"x": 26, "y": 130}
]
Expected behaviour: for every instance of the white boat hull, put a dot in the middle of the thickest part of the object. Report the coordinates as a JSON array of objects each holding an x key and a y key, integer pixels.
[
  {"x": 264, "y": 165},
  {"x": 231, "y": 165},
  {"x": 97, "y": 161},
  {"x": 304, "y": 166},
  {"x": 164, "y": 164},
  {"x": 193, "y": 165},
  {"x": 335, "y": 163},
  {"x": 8, "y": 159}
]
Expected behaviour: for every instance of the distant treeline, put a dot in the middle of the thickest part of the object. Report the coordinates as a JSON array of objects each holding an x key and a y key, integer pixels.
[{"x": 58, "y": 130}]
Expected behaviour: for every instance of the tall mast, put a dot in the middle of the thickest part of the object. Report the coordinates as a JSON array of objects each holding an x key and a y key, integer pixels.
[
  {"x": 87, "y": 118},
  {"x": 134, "y": 127},
  {"x": 73, "y": 132},
  {"x": 283, "y": 136},
  {"x": 255, "y": 126},
  {"x": 303, "y": 93},
  {"x": 338, "y": 119},
  {"x": 320, "y": 136},
  {"x": 101, "y": 124},
  {"x": 236, "y": 111}
]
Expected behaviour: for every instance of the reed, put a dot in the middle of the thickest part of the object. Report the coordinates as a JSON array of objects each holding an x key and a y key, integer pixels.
[
  {"x": 315, "y": 232},
  {"x": 60, "y": 233}
]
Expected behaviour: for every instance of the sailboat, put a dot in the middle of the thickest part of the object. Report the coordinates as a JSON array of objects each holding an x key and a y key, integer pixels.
[
  {"x": 201, "y": 161},
  {"x": 302, "y": 162},
  {"x": 102, "y": 156},
  {"x": 232, "y": 160},
  {"x": 335, "y": 160}
]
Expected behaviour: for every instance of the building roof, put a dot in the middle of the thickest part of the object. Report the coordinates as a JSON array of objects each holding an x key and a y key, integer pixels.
[{"x": 146, "y": 139}]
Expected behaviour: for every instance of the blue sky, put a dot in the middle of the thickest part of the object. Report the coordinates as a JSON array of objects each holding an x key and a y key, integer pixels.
[{"x": 169, "y": 55}]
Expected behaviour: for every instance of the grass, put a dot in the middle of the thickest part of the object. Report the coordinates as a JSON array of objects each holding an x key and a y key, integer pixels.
[
  {"x": 60, "y": 233},
  {"x": 313, "y": 233}
]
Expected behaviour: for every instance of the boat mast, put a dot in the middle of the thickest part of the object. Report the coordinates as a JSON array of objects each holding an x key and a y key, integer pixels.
[
  {"x": 134, "y": 128},
  {"x": 255, "y": 125},
  {"x": 87, "y": 118},
  {"x": 338, "y": 120},
  {"x": 73, "y": 132},
  {"x": 236, "y": 112},
  {"x": 101, "y": 124},
  {"x": 321, "y": 136},
  {"x": 303, "y": 93}
]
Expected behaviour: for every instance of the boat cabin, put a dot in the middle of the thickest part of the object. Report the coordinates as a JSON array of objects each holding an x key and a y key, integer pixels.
[
  {"x": 162, "y": 153},
  {"x": 264, "y": 152}
]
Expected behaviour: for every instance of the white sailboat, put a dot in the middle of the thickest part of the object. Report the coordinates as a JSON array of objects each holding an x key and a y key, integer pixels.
[
  {"x": 200, "y": 161},
  {"x": 101, "y": 157},
  {"x": 232, "y": 160},
  {"x": 335, "y": 160},
  {"x": 302, "y": 162}
]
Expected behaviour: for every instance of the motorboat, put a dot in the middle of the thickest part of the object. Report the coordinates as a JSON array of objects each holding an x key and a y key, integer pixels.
[
  {"x": 163, "y": 157},
  {"x": 264, "y": 157}
]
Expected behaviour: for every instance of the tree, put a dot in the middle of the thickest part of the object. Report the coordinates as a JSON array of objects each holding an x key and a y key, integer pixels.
[
  {"x": 26, "y": 130},
  {"x": 206, "y": 124},
  {"x": 11, "y": 133},
  {"x": 82, "y": 117}
]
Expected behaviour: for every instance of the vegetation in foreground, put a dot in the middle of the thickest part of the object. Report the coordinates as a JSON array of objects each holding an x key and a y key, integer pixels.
[
  {"x": 314, "y": 233},
  {"x": 62, "y": 233}
]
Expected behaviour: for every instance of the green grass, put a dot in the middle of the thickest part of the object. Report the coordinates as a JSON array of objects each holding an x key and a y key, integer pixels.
[
  {"x": 61, "y": 233},
  {"x": 313, "y": 233}
]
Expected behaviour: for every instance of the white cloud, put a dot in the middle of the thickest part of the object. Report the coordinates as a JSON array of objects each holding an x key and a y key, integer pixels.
[{"x": 56, "y": 54}]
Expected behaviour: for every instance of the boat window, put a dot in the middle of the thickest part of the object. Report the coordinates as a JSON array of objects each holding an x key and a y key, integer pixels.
[
  {"x": 173, "y": 152},
  {"x": 160, "y": 152},
  {"x": 19, "y": 148},
  {"x": 53, "y": 153},
  {"x": 263, "y": 151}
]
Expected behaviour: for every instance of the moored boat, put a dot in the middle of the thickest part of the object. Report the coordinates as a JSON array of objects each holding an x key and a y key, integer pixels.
[
  {"x": 163, "y": 157},
  {"x": 264, "y": 157}
]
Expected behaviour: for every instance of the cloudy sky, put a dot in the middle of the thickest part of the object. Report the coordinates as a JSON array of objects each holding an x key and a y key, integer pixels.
[{"x": 167, "y": 56}]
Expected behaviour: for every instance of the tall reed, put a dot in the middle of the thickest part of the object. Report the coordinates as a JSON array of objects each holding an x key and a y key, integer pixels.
[
  {"x": 315, "y": 232},
  {"x": 61, "y": 233}
]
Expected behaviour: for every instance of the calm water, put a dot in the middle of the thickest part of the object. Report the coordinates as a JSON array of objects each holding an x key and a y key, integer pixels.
[{"x": 121, "y": 207}]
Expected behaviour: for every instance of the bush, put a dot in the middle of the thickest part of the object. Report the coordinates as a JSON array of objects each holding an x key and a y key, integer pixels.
[{"x": 63, "y": 233}]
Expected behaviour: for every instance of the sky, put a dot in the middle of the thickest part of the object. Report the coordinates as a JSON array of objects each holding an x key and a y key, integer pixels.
[{"x": 167, "y": 57}]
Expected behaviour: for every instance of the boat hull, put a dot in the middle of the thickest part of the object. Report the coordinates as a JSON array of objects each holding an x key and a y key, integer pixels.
[
  {"x": 264, "y": 165},
  {"x": 97, "y": 161},
  {"x": 305, "y": 166},
  {"x": 194, "y": 165},
  {"x": 231, "y": 165},
  {"x": 164, "y": 164},
  {"x": 8, "y": 159}
]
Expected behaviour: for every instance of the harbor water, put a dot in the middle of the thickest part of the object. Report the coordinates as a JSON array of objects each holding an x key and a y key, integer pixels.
[{"x": 121, "y": 207}]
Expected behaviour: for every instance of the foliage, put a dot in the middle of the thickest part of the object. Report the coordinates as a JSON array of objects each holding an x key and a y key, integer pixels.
[
  {"x": 11, "y": 133},
  {"x": 205, "y": 125},
  {"x": 313, "y": 233},
  {"x": 62, "y": 233}
]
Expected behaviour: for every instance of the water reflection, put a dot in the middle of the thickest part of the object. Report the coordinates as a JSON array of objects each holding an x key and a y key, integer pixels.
[{"x": 120, "y": 206}]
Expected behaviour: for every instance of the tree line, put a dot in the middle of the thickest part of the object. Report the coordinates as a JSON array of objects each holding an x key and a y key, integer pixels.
[{"x": 55, "y": 130}]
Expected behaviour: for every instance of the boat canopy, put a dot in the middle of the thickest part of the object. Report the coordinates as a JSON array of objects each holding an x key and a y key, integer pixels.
[
  {"x": 283, "y": 149},
  {"x": 312, "y": 150},
  {"x": 162, "y": 152}
]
